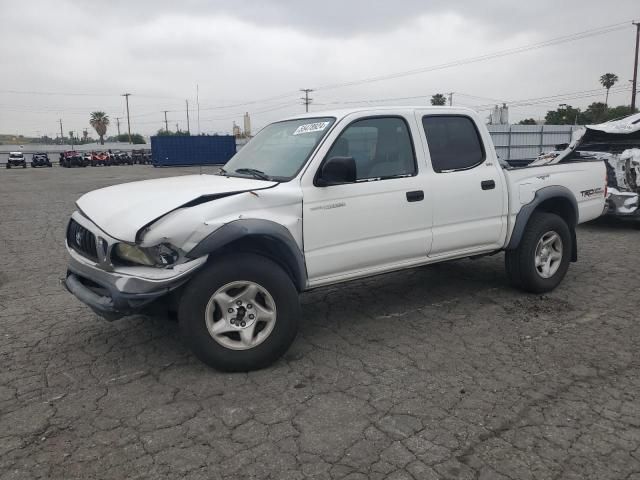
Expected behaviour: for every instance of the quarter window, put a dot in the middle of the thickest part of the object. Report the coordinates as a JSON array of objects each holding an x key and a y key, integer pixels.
[
  {"x": 454, "y": 142},
  {"x": 381, "y": 148}
]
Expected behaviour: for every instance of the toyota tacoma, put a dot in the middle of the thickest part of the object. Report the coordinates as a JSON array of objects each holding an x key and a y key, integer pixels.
[{"x": 317, "y": 200}]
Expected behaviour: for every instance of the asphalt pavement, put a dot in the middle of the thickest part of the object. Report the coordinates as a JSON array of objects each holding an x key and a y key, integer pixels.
[{"x": 438, "y": 372}]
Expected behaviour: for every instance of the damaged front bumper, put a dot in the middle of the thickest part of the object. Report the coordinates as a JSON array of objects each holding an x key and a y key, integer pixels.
[{"x": 123, "y": 291}]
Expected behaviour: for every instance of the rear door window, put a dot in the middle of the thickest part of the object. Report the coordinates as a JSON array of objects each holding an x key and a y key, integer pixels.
[{"x": 454, "y": 142}]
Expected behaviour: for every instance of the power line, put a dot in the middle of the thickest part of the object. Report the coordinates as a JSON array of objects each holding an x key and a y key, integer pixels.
[
  {"x": 490, "y": 56},
  {"x": 522, "y": 102},
  {"x": 502, "y": 53},
  {"x": 557, "y": 98},
  {"x": 554, "y": 41},
  {"x": 80, "y": 94}
]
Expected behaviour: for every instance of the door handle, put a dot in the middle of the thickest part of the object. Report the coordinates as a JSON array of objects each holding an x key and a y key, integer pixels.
[
  {"x": 415, "y": 196},
  {"x": 488, "y": 184}
]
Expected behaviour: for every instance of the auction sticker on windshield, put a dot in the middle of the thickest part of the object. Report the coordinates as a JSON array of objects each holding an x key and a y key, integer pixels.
[{"x": 311, "y": 127}]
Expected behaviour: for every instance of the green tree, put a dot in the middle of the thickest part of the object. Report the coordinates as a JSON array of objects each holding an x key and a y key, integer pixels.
[
  {"x": 620, "y": 111},
  {"x": 438, "y": 99},
  {"x": 527, "y": 121},
  {"x": 180, "y": 133},
  {"x": 99, "y": 121},
  {"x": 608, "y": 80},
  {"x": 565, "y": 115},
  {"x": 595, "y": 113},
  {"x": 136, "y": 138}
]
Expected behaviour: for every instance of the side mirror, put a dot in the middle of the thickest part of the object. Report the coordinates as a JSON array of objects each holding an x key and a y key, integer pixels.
[{"x": 336, "y": 170}]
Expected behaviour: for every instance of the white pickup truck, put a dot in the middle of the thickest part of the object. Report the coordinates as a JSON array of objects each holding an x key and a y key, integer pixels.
[{"x": 316, "y": 200}]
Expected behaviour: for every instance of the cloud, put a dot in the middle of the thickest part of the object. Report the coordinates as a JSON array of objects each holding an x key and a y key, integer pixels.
[{"x": 160, "y": 50}]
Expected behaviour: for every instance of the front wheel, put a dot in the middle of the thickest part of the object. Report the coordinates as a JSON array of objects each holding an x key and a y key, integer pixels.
[
  {"x": 240, "y": 313},
  {"x": 541, "y": 260}
]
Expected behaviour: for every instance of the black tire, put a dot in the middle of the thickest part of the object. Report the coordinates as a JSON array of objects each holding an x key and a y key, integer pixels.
[
  {"x": 227, "y": 269},
  {"x": 24, "y": 165},
  {"x": 8, "y": 166},
  {"x": 521, "y": 262}
]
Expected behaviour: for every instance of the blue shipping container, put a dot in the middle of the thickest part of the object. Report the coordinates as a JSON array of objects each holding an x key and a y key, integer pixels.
[{"x": 195, "y": 150}]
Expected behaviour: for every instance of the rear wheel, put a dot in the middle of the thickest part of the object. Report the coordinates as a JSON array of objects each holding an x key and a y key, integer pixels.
[
  {"x": 541, "y": 260},
  {"x": 240, "y": 314}
]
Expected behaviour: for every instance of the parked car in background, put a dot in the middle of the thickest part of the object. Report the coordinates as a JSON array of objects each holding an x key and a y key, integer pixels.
[
  {"x": 86, "y": 158},
  {"x": 317, "y": 200},
  {"x": 72, "y": 158},
  {"x": 40, "y": 160},
  {"x": 111, "y": 157},
  {"x": 16, "y": 159},
  {"x": 137, "y": 156},
  {"x": 100, "y": 159},
  {"x": 122, "y": 158},
  {"x": 142, "y": 156}
]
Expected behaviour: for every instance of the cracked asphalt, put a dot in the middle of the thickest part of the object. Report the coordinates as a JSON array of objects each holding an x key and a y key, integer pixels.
[{"x": 439, "y": 372}]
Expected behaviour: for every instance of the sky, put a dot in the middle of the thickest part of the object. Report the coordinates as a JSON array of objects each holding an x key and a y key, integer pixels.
[{"x": 66, "y": 58}]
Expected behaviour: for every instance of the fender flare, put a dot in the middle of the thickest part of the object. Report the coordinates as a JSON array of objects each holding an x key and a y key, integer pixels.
[
  {"x": 545, "y": 193},
  {"x": 254, "y": 227}
]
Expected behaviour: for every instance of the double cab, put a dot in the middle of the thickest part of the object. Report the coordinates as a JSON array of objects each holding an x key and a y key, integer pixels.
[{"x": 316, "y": 200}]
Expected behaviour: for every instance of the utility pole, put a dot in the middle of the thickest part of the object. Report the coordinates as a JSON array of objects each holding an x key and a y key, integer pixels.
[
  {"x": 118, "y": 124},
  {"x": 166, "y": 123},
  {"x": 126, "y": 96},
  {"x": 198, "y": 105},
  {"x": 61, "y": 134},
  {"x": 177, "y": 127},
  {"x": 188, "y": 127},
  {"x": 635, "y": 68},
  {"x": 306, "y": 100},
  {"x": 451, "y": 98}
]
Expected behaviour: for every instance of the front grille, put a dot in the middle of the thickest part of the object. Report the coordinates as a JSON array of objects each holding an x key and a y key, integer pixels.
[{"x": 82, "y": 240}]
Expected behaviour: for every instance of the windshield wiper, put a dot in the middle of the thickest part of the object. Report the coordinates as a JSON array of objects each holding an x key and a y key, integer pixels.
[
  {"x": 222, "y": 171},
  {"x": 254, "y": 172}
]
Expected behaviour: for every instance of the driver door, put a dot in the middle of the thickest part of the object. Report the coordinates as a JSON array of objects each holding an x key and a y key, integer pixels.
[{"x": 381, "y": 220}]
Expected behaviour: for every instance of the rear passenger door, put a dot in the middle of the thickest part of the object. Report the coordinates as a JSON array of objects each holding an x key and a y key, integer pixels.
[{"x": 468, "y": 186}]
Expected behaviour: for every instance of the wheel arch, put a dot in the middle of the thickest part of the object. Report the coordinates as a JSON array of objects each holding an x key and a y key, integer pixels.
[
  {"x": 554, "y": 199},
  {"x": 263, "y": 237}
]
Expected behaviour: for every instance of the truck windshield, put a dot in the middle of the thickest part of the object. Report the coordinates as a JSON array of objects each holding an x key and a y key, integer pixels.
[{"x": 279, "y": 150}]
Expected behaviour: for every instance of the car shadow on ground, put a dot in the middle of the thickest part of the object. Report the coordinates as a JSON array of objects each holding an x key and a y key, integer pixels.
[
  {"x": 616, "y": 223},
  {"x": 359, "y": 304}
]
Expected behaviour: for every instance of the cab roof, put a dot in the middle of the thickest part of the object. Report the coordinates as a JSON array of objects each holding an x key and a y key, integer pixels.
[{"x": 341, "y": 113}]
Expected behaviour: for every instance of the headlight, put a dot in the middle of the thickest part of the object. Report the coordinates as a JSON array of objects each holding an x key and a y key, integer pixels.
[
  {"x": 133, "y": 254},
  {"x": 162, "y": 255}
]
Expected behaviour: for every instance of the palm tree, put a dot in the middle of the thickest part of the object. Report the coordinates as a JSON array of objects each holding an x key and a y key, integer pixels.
[
  {"x": 438, "y": 99},
  {"x": 608, "y": 80},
  {"x": 99, "y": 121}
]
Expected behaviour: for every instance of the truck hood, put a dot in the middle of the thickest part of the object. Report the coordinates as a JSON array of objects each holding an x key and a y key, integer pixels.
[{"x": 122, "y": 210}]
